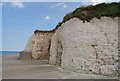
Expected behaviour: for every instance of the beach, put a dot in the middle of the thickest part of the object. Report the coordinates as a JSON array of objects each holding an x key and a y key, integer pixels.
[
  {"x": 0, "y": 67},
  {"x": 12, "y": 68}
]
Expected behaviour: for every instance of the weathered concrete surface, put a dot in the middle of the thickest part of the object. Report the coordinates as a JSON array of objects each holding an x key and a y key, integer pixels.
[
  {"x": 90, "y": 47},
  {"x": 38, "y": 46},
  {"x": 39, "y": 69}
]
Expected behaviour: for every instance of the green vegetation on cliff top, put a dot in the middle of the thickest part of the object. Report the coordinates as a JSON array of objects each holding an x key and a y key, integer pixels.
[{"x": 89, "y": 12}]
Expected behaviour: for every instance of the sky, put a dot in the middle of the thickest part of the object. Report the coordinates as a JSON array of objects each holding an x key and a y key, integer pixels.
[{"x": 21, "y": 19}]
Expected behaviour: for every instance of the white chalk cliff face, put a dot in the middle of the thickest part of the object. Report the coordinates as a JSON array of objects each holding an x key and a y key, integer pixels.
[{"x": 90, "y": 47}]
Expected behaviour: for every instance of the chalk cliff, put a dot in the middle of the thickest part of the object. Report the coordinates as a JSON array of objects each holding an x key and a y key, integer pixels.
[
  {"x": 85, "y": 41},
  {"x": 90, "y": 47},
  {"x": 38, "y": 46}
]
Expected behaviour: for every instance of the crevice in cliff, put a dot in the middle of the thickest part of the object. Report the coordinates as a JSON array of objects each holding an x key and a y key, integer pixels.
[
  {"x": 49, "y": 49},
  {"x": 94, "y": 46},
  {"x": 107, "y": 37},
  {"x": 59, "y": 53}
]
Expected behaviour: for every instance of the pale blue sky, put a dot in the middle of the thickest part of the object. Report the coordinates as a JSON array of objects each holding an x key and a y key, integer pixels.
[{"x": 19, "y": 20}]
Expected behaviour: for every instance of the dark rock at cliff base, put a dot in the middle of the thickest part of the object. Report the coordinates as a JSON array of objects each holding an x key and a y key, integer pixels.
[{"x": 25, "y": 56}]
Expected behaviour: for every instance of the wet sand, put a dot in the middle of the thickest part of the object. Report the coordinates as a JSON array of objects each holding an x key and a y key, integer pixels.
[{"x": 23, "y": 69}]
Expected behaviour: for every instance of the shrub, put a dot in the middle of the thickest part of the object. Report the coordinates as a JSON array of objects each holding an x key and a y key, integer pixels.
[{"x": 89, "y": 12}]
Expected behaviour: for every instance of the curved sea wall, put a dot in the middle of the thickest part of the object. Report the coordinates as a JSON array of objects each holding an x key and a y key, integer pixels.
[{"x": 90, "y": 47}]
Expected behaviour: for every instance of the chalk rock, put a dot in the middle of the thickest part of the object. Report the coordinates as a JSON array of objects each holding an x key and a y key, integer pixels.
[
  {"x": 89, "y": 47},
  {"x": 38, "y": 45}
]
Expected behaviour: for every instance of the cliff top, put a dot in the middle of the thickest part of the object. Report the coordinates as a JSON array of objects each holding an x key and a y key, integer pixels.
[
  {"x": 91, "y": 11},
  {"x": 42, "y": 31}
]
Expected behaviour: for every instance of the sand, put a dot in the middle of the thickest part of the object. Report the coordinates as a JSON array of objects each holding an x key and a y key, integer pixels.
[
  {"x": 0, "y": 67},
  {"x": 23, "y": 69}
]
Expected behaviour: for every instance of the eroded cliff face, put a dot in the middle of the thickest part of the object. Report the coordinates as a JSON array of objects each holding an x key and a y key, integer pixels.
[
  {"x": 90, "y": 47},
  {"x": 38, "y": 46}
]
